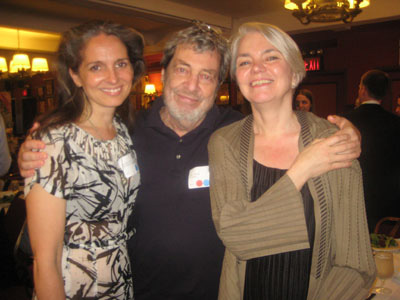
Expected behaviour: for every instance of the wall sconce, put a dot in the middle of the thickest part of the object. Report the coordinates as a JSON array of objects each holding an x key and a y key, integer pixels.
[
  {"x": 150, "y": 89},
  {"x": 149, "y": 94}
]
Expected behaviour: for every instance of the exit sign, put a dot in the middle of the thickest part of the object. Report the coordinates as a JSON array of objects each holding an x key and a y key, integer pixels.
[{"x": 313, "y": 63}]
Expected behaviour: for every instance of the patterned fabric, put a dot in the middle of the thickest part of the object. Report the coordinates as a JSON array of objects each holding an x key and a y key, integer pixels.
[{"x": 99, "y": 199}]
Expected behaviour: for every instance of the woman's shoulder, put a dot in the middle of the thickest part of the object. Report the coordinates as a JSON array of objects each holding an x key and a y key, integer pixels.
[
  {"x": 230, "y": 132},
  {"x": 55, "y": 134},
  {"x": 319, "y": 127}
]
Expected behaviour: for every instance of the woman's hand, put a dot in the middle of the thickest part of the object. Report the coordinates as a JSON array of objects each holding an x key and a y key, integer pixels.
[
  {"x": 323, "y": 155},
  {"x": 29, "y": 156}
]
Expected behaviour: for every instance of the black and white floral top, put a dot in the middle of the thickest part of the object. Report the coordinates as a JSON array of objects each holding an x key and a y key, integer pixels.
[{"x": 89, "y": 174}]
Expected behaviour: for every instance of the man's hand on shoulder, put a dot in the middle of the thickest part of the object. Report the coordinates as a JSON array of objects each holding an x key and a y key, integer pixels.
[
  {"x": 347, "y": 128},
  {"x": 29, "y": 156}
]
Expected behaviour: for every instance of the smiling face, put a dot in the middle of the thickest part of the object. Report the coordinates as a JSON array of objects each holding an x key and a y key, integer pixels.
[
  {"x": 190, "y": 85},
  {"x": 262, "y": 73},
  {"x": 302, "y": 103},
  {"x": 105, "y": 73}
]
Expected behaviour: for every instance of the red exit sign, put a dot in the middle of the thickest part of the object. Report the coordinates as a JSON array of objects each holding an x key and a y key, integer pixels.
[{"x": 312, "y": 63}]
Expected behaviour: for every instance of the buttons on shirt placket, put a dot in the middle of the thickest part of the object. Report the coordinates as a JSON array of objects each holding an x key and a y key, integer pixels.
[{"x": 178, "y": 156}]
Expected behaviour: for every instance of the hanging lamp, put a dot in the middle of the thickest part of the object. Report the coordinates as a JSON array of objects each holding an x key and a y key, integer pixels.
[
  {"x": 39, "y": 64},
  {"x": 20, "y": 60},
  {"x": 3, "y": 64},
  {"x": 12, "y": 68}
]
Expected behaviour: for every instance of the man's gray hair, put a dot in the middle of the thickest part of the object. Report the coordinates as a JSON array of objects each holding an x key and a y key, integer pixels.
[{"x": 203, "y": 38}]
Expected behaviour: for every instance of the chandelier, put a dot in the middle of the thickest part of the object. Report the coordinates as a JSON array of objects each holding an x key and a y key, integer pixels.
[{"x": 323, "y": 11}]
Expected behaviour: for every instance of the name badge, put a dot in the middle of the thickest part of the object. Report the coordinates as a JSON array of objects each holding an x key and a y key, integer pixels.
[
  {"x": 128, "y": 165},
  {"x": 199, "y": 177}
]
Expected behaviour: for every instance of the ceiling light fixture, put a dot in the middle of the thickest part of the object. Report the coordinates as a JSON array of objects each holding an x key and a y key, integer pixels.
[
  {"x": 323, "y": 11},
  {"x": 12, "y": 68},
  {"x": 21, "y": 61}
]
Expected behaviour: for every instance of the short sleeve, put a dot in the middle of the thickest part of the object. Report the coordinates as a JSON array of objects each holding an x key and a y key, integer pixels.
[{"x": 52, "y": 176}]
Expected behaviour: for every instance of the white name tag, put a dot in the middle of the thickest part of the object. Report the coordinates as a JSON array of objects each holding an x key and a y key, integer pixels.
[
  {"x": 199, "y": 177},
  {"x": 128, "y": 164}
]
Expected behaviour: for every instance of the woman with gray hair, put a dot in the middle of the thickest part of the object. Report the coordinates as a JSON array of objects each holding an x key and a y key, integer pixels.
[{"x": 286, "y": 191}]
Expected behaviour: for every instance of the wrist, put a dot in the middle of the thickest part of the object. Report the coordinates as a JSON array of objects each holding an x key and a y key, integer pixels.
[{"x": 298, "y": 178}]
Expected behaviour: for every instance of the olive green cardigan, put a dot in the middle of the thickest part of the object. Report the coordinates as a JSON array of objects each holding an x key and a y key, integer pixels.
[{"x": 342, "y": 263}]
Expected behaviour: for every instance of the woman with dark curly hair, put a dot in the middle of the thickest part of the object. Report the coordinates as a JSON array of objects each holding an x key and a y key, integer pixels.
[{"x": 79, "y": 202}]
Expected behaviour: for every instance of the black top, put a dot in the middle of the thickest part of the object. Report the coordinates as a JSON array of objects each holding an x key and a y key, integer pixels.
[
  {"x": 285, "y": 275},
  {"x": 379, "y": 160},
  {"x": 175, "y": 253}
]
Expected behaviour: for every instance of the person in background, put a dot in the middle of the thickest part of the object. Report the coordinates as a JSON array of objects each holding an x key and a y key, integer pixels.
[
  {"x": 286, "y": 190},
  {"x": 304, "y": 100},
  {"x": 79, "y": 201},
  {"x": 176, "y": 253},
  {"x": 379, "y": 159},
  {"x": 5, "y": 161}
]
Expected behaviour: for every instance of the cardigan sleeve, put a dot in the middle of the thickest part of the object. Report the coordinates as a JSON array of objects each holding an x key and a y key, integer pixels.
[
  {"x": 352, "y": 269},
  {"x": 273, "y": 224}
]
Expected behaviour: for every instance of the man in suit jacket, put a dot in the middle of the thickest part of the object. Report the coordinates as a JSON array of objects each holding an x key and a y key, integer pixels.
[{"x": 380, "y": 156}]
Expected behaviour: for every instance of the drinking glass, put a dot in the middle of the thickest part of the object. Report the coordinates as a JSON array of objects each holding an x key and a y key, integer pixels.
[{"x": 385, "y": 270}]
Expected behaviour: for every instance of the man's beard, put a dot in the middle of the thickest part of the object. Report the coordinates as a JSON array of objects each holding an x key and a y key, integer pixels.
[{"x": 186, "y": 116}]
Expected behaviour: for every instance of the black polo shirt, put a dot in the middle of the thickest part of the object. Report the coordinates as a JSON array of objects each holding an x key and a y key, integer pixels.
[{"x": 175, "y": 253}]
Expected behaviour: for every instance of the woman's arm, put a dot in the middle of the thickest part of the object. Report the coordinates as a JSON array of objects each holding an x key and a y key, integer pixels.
[
  {"x": 46, "y": 224},
  {"x": 274, "y": 223},
  {"x": 270, "y": 225},
  {"x": 321, "y": 156},
  {"x": 353, "y": 267}
]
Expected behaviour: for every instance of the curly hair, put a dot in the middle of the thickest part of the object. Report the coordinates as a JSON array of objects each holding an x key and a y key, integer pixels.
[{"x": 203, "y": 38}]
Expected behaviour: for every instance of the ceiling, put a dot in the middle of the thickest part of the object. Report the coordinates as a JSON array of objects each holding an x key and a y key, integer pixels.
[
  {"x": 156, "y": 19},
  {"x": 235, "y": 8}
]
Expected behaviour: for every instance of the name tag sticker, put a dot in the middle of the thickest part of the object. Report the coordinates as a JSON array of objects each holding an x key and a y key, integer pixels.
[
  {"x": 199, "y": 177},
  {"x": 128, "y": 165}
]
